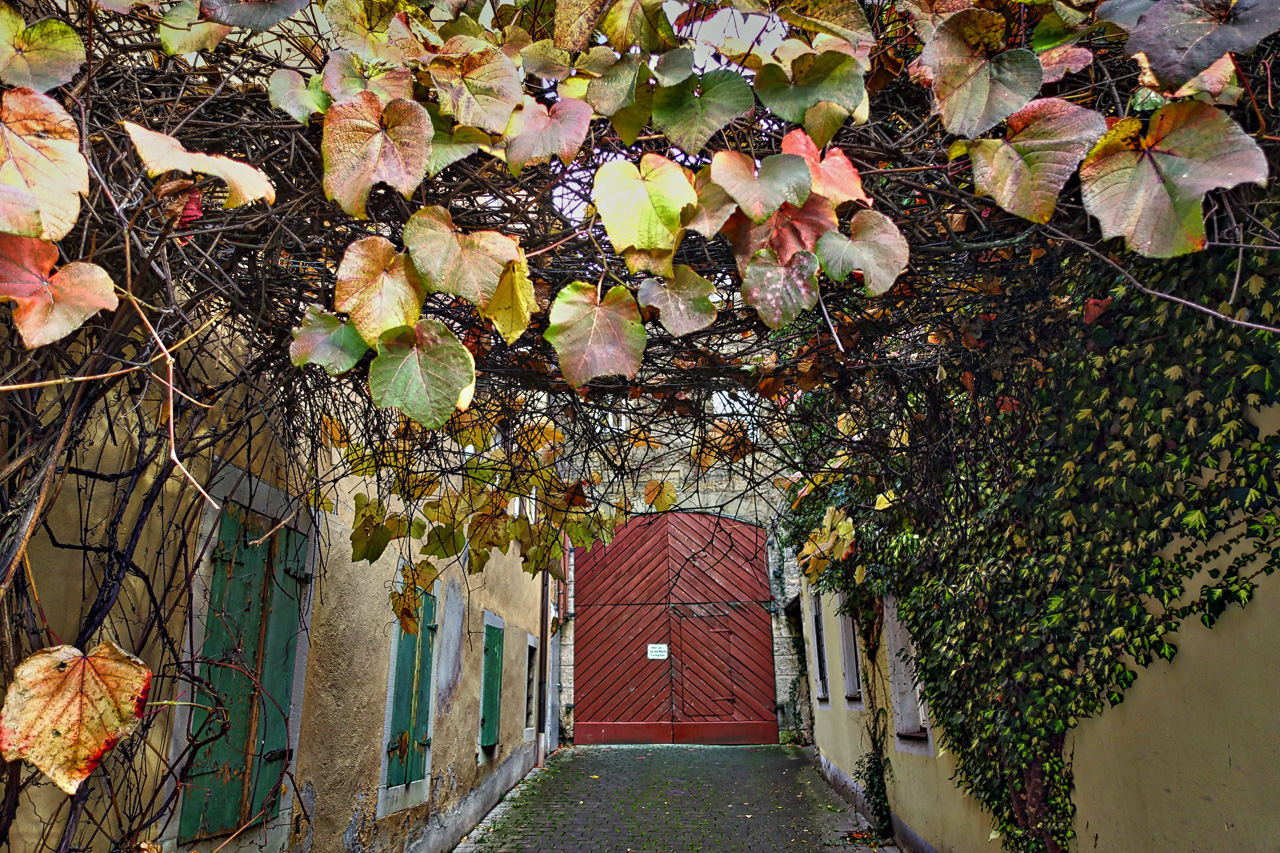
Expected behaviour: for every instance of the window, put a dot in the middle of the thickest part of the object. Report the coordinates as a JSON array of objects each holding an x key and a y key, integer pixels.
[
  {"x": 850, "y": 659},
  {"x": 531, "y": 690},
  {"x": 257, "y": 584},
  {"x": 491, "y": 684},
  {"x": 910, "y": 712},
  {"x": 819, "y": 649},
  {"x": 409, "y": 734}
]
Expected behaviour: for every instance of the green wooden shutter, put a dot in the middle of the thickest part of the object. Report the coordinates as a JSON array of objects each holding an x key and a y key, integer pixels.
[
  {"x": 211, "y": 805},
  {"x": 400, "y": 739},
  {"x": 284, "y": 624},
  {"x": 491, "y": 689},
  {"x": 422, "y": 699}
]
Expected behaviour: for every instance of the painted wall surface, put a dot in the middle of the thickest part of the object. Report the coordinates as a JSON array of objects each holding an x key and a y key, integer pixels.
[
  {"x": 344, "y": 740},
  {"x": 1189, "y": 761}
]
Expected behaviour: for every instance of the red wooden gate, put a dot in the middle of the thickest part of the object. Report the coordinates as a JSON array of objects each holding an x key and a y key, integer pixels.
[{"x": 698, "y": 585}]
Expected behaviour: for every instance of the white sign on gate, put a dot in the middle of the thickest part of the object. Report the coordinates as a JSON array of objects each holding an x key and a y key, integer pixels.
[{"x": 657, "y": 651}]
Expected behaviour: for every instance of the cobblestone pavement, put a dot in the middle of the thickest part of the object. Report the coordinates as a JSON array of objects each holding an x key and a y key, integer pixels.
[{"x": 670, "y": 799}]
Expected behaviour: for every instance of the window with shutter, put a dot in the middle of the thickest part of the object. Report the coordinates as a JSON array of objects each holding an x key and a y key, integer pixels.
[
  {"x": 409, "y": 735},
  {"x": 491, "y": 687},
  {"x": 819, "y": 649}
]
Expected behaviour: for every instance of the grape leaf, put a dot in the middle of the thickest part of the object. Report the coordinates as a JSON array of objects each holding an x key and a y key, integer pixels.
[
  {"x": 511, "y": 307},
  {"x": 255, "y": 15},
  {"x": 449, "y": 145},
  {"x": 536, "y": 134},
  {"x": 465, "y": 265},
  {"x": 874, "y": 245},
  {"x": 346, "y": 75},
  {"x": 64, "y": 709},
  {"x": 823, "y": 120},
  {"x": 833, "y": 176},
  {"x": 714, "y": 208},
  {"x": 782, "y": 177},
  {"x": 366, "y": 143},
  {"x": 595, "y": 338},
  {"x": 780, "y": 292},
  {"x": 42, "y": 172},
  {"x": 683, "y": 304},
  {"x": 1181, "y": 38},
  {"x": 660, "y": 495},
  {"x": 363, "y": 27},
  {"x": 544, "y": 60},
  {"x": 49, "y": 305},
  {"x": 844, "y": 21},
  {"x": 745, "y": 237},
  {"x": 444, "y": 542},
  {"x": 797, "y": 229},
  {"x": 326, "y": 340},
  {"x": 575, "y": 21},
  {"x": 162, "y": 153},
  {"x": 638, "y": 23},
  {"x": 423, "y": 371},
  {"x": 829, "y": 76},
  {"x": 287, "y": 92},
  {"x": 1150, "y": 189},
  {"x": 1064, "y": 59},
  {"x": 977, "y": 86},
  {"x": 1025, "y": 172},
  {"x": 690, "y": 113},
  {"x": 44, "y": 55},
  {"x": 182, "y": 32},
  {"x": 378, "y": 288},
  {"x": 630, "y": 121},
  {"x": 615, "y": 89},
  {"x": 1125, "y": 14},
  {"x": 644, "y": 209},
  {"x": 674, "y": 67},
  {"x": 477, "y": 82}
]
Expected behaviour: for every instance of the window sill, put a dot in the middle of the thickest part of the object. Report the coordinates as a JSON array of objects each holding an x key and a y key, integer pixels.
[{"x": 918, "y": 734}]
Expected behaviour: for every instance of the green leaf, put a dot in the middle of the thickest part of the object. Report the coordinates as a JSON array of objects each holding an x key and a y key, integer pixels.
[
  {"x": 182, "y": 32},
  {"x": 444, "y": 542},
  {"x": 346, "y": 75},
  {"x": 449, "y": 145},
  {"x": 326, "y": 340},
  {"x": 823, "y": 120},
  {"x": 255, "y": 15},
  {"x": 643, "y": 208},
  {"x": 423, "y": 371},
  {"x": 511, "y": 307},
  {"x": 683, "y": 304},
  {"x": 782, "y": 177},
  {"x": 1025, "y": 172},
  {"x": 976, "y": 85},
  {"x": 1181, "y": 38},
  {"x": 830, "y": 76},
  {"x": 366, "y": 143},
  {"x": 362, "y": 27},
  {"x": 42, "y": 56},
  {"x": 1150, "y": 189},
  {"x": 49, "y": 305},
  {"x": 378, "y": 288},
  {"x": 543, "y": 59},
  {"x": 595, "y": 338},
  {"x": 674, "y": 67},
  {"x": 630, "y": 121},
  {"x": 780, "y": 293},
  {"x": 477, "y": 82},
  {"x": 693, "y": 111},
  {"x": 638, "y": 23},
  {"x": 874, "y": 245},
  {"x": 575, "y": 20},
  {"x": 843, "y": 20},
  {"x": 465, "y": 265},
  {"x": 537, "y": 134},
  {"x": 299, "y": 100},
  {"x": 615, "y": 89}
]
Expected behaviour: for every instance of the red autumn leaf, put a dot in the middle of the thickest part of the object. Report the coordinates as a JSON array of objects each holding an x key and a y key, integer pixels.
[
  {"x": 834, "y": 177},
  {"x": 797, "y": 229},
  {"x": 1095, "y": 308},
  {"x": 49, "y": 305}
]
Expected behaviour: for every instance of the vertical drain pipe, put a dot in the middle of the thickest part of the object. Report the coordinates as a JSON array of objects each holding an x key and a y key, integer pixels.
[{"x": 544, "y": 642}]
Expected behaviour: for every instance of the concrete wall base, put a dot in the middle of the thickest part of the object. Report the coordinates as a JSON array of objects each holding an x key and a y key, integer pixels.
[
  {"x": 846, "y": 787},
  {"x": 443, "y": 831}
]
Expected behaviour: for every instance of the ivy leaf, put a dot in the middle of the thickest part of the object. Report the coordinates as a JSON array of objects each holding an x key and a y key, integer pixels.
[
  {"x": 976, "y": 85},
  {"x": 797, "y": 229},
  {"x": 423, "y": 371},
  {"x": 363, "y": 27},
  {"x": 780, "y": 292},
  {"x": 477, "y": 82},
  {"x": 255, "y": 15},
  {"x": 1181, "y": 38},
  {"x": 300, "y": 100},
  {"x": 162, "y": 153},
  {"x": 536, "y": 134},
  {"x": 1149, "y": 189},
  {"x": 64, "y": 709},
  {"x": 378, "y": 287},
  {"x": 660, "y": 494},
  {"x": 465, "y": 265},
  {"x": 638, "y": 23},
  {"x": 595, "y": 338},
  {"x": 683, "y": 303},
  {"x": 643, "y": 209},
  {"x": 366, "y": 143},
  {"x": 829, "y": 76},
  {"x": 691, "y": 112},
  {"x": 44, "y": 55},
  {"x": 874, "y": 245},
  {"x": 575, "y": 21},
  {"x": 1025, "y": 172},
  {"x": 346, "y": 75},
  {"x": 511, "y": 307},
  {"x": 49, "y": 305},
  {"x": 782, "y": 178},
  {"x": 833, "y": 176},
  {"x": 182, "y": 32},
  {"x": 42, "y": 173},
  {"x": 325, "y": 339}
]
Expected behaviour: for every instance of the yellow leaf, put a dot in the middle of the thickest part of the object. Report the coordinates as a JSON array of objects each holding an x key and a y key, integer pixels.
[
  {"x": 511, "y": 306},
  {"x": 660, "y": 495},
  {"x": 885, "y": 500},
  {"x": 405, "y": 606},
  {"x": 65, "y": 709},
  {"x": 161, "y": 153}
]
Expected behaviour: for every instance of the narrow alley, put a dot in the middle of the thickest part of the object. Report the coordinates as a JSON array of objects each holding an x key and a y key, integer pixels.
[{"x": 672, "y": 799}]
